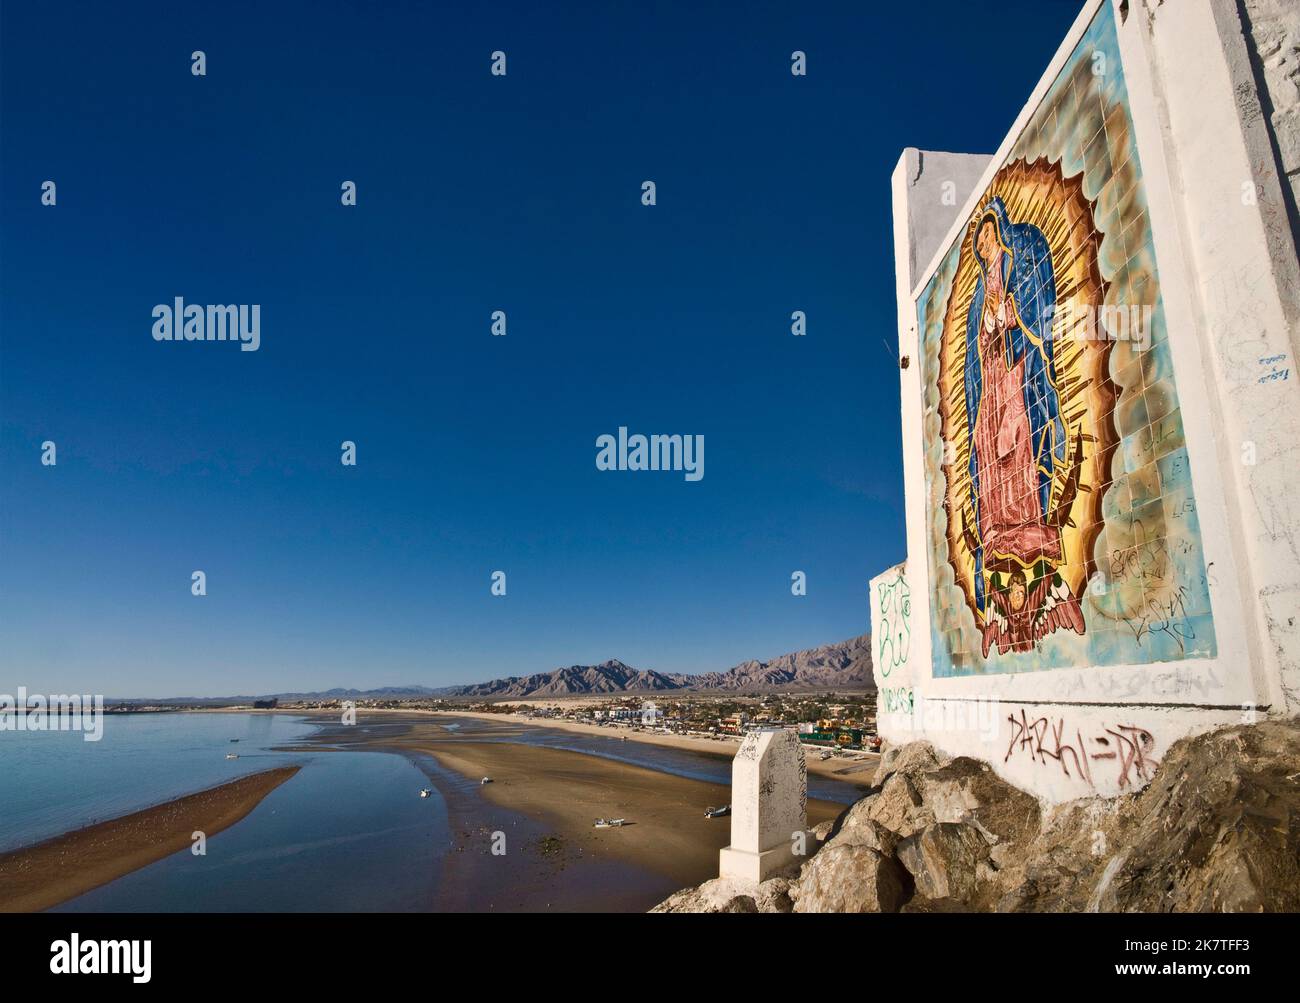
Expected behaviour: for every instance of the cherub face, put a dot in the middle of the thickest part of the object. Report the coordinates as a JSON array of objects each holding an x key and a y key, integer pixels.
[{"x": 1016, "y": 596}]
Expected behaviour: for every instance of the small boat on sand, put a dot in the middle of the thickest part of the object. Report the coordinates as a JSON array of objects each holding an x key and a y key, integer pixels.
[
  {"x": 717, "y": 812},
  {"x": 609, "y": 823},
  {"x": 425, "y": 792},
  {"x": 485, "y": 780},
  {"x": 232, "y": 755}
]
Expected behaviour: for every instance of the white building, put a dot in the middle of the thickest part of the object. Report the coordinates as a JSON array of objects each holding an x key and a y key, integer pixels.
[{"x": 1100, "y": 406}]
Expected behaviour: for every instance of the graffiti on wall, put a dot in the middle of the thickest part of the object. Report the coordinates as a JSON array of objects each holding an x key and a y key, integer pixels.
[
  {"x": 1062, "y": 526},
  {"x": 895, "y": 700},
  {"x": 1125, "y": 749},
  {"x": 893, "y": 628}
]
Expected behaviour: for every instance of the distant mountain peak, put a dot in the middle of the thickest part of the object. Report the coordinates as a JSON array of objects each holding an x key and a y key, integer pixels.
[{"x": 845, "y": 665}]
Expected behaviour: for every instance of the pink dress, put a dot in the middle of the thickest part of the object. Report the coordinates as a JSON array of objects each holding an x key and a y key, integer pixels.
[{"x": 1011, "y": 522}]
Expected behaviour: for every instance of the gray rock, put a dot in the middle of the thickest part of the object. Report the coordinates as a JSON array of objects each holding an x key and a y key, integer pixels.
[
  {"x": 1214, "y": 831},
  {"x": 851, "y": 879},
  {"x": 856, "y": 827},
  {"x": 913, "y": 757},
  {"x": 966, "y": 789},
  {"x": 899, "y": 807},
  {"x": 944, "y": 860},
  {"x": 726, "y": 895}
]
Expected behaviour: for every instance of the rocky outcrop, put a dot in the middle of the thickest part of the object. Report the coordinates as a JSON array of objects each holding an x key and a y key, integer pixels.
[
  {"x": 1216, "y": 830},
  {"x": 850, "y": 877},
  {"x": 728, "y": 895}
]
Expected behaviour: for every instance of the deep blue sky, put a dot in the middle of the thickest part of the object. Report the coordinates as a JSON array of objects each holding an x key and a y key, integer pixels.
[{"x": 475, "y": 453}]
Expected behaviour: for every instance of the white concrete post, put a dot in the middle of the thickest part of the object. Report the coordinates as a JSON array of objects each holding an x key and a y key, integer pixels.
[{"x": 769, "y": 807}]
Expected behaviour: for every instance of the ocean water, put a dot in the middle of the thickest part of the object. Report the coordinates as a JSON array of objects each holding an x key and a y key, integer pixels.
[
  {"x": 347, "y": 833},
  {"x": 54, "y": 781}
]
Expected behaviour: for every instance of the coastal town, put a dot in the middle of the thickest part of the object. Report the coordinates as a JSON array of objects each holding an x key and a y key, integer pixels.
[{"x": 835, "y": 722}]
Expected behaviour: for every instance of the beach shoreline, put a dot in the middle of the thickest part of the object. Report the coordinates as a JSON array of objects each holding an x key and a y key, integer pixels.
[
  {"x": 666, "y": 831},
  {"x": 55, "y": 870},
  {"x": 856, "y": 768},
  {"x": 555, "y": 794},
  {"x": 562, "y": 791}
]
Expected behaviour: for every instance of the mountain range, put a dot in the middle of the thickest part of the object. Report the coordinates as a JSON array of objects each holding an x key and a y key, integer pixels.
[{"x": 846, "y": 665}]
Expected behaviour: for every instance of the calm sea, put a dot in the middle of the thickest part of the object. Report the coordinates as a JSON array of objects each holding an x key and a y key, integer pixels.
[
  {"x": 347, "y": 833},
  {"x": 52, "y": 782}
]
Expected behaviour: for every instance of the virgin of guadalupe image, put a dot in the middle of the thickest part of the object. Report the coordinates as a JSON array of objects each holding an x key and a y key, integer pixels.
[{"x": 1018, "y": 440}]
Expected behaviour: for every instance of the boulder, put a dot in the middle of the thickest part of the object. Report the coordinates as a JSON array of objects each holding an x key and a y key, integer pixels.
[
  {"x": 967, "y": 789},
  {"x": 1216, "y": 830},
  {"x": 850, "y": 878},
  {"x": 913, "y": 757},
  {"x": 899, "y": 806},
  {"x": 919, "y": 903},
  {"x": 728, "y": 895},
  {"x": 944, "y": 860},
  {"x": 855, "y": 827}
]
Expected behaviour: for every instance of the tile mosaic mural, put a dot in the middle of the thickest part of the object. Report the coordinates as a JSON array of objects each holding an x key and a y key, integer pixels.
[{"x": 1062, "y": 526}]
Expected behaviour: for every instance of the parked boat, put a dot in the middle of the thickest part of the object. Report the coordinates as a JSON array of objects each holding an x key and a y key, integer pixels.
[
  {"x": 609, "y": 823},
  {"x": 485, "y": 780},
  {"x": 232, "y": 755},
  {"x": 425, "y": 792},
  {"x": 717, "y": 812}
]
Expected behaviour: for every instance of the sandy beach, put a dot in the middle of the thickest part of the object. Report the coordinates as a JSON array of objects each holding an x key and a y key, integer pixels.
[
  {"x": 43, "y": 875},
  {"x": 667, "y": 832},
  {"x": 855, "y": 768}
]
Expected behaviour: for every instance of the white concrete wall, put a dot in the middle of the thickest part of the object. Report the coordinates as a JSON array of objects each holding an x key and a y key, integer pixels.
[
  {"x": 1271, "y": 36},
  {"x": 1227, "y": 223},
  {"x": 1229, "y": 280}
]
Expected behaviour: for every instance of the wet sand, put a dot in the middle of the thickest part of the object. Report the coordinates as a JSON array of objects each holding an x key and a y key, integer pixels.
[
  {"x": 564, "y": 791},
  {"x": 40, "y": 876},
  {"x": 666, "y": 833},
  {"x": 854, "y": 768}
]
